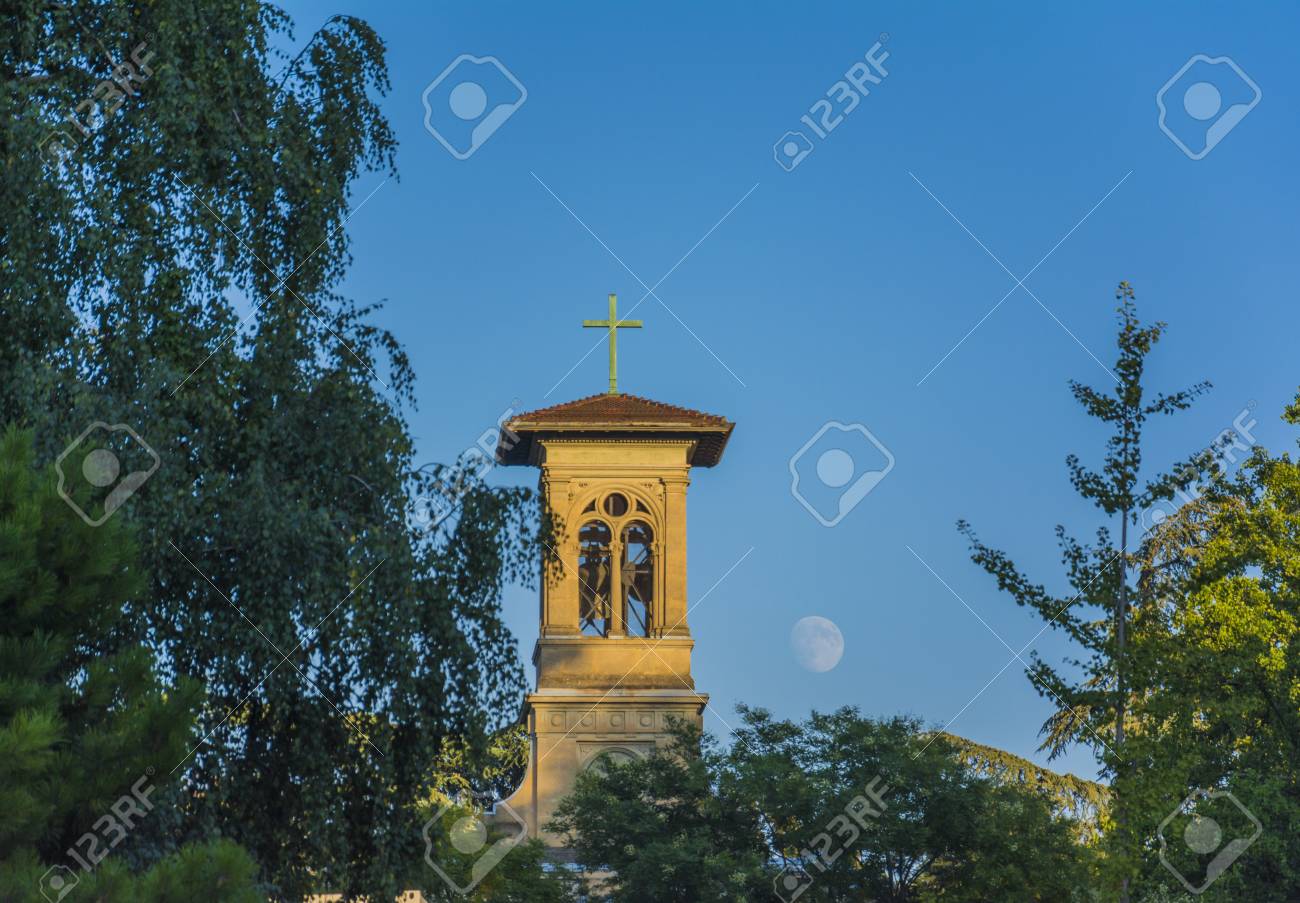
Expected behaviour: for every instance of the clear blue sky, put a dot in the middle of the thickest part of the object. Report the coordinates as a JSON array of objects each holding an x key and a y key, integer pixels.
[{"x": 831, "y": 290}]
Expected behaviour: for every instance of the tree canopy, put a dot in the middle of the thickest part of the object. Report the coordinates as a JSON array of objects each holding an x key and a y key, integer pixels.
[
  {"x": 1220, "y": 669},
  {"x": 171, "y": 261},
  {"x": 837, "y": 807}
]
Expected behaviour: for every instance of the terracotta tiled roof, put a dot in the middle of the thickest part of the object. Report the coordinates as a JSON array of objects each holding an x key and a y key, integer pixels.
[
  {"x": 613, "y": 414},
  {"x": 620, "y": 409}
]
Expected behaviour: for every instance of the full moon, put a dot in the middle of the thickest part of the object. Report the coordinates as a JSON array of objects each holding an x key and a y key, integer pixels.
[{"x": 817, "y": 643}]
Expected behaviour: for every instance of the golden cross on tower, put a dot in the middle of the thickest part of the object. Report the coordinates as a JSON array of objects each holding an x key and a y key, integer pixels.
[{"x": 613, "y": 324}]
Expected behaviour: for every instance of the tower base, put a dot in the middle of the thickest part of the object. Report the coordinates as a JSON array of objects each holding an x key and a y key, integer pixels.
[{"x": 572, "y": 730}]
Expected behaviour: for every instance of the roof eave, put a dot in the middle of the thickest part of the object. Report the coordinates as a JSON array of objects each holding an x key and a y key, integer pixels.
[{"x": 521, "y": 448}]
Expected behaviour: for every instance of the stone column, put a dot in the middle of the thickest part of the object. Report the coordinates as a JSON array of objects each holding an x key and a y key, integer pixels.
[
  {"x": 617, "y": 614},
  {"x": 559, "y": 613},
  {"x": 674, "y": 563}
]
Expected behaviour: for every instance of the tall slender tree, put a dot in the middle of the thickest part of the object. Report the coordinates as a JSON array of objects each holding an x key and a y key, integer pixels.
[{"x": 1095, "y": 615}]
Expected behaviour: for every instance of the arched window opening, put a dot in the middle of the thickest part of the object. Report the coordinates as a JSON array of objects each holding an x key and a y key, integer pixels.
[
  {"x": 594, "y": 573},
  {"x": 615, "y": 756},
  {"x": 636, "y": 571}
]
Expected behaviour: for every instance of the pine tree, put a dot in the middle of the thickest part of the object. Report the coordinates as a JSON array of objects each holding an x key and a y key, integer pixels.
[{"x": 88, "y": 735}]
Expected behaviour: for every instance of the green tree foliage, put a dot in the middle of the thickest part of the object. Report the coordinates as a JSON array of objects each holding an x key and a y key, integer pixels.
[
  {"x": 1093, "y": 696},
  {"x": 518, "y": 873},
  {"x": 464, "y": 781},
  {"x": 208, "y": 175},
  {"x": 1222, "y": 673},
  {"x": 84, "y": 722},
  {"x": 1083, "y": 802},
  {"x": 1192, "y": 655},
  {"x": 878, "y": 810},
  {"x": 671, "y": 827},
  {"x": 461, "y": 770}
]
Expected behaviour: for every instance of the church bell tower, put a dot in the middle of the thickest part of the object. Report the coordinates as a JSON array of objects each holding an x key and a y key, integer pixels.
[{"x": 613, "y": 655}]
